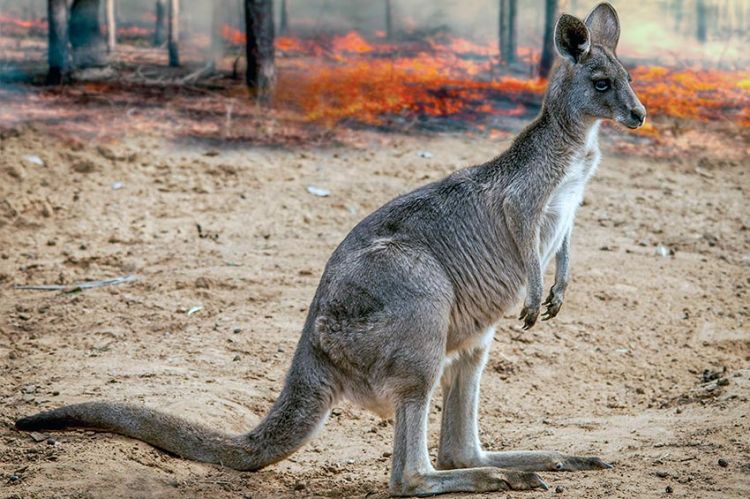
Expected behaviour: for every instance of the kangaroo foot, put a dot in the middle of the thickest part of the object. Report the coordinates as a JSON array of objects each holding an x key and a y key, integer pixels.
[
  {"x": 542, "y": 461},
  {"x": 466, "y": 480}
]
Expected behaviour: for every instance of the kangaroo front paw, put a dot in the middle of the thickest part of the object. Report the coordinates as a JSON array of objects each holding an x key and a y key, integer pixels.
[
  {"x": 553, "y": 303},
  {"x": 529, "y": 315}
]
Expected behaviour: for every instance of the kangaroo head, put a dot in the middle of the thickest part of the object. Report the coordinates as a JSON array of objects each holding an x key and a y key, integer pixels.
[{"x": 599, "y": 84}]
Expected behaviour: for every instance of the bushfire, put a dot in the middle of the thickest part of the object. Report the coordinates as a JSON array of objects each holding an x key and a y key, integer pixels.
[
  {"x": 350, "y": 78},
  {"x": 442, "y": 81}
]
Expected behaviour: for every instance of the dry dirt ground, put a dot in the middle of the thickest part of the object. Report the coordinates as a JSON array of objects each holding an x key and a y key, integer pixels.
[{"x": 619, "y": 373}]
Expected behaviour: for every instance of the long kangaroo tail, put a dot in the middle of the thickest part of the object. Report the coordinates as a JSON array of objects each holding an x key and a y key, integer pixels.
[{"x": 299, "y": 411}]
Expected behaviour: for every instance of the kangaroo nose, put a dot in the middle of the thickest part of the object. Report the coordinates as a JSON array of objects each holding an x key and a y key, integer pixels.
[{"x": 638, "y": 114}]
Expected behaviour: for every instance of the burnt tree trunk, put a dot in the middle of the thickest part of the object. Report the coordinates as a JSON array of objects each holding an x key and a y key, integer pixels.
[
  {"x": 218, "y": 11},
  {"x": 161, "y": 23},
  {"x": 507, "y": 30},
  {"x": 58, "y": 54},
  {"x": 501, "y": 30},
  {"x": 261, "y": 70},
  {"x": 548, "y": 46},
  {"x": 111, "y": 25},
  {"x": 86, "y": 38},
  {"x": 388, "y": 20},
  {"x": 700, "y": 18},
  {"x": 284, "y": 19},
  {"x": 173, "y": 28},
  {"x": 512, "y": 39}
]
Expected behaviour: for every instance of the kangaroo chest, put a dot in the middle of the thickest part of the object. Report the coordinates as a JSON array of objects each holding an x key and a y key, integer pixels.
[{"x": 560, "y": 211}]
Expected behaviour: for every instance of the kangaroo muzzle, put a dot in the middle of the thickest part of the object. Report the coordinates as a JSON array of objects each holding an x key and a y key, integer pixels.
[
  {"x": 637, "y": 117},
  {"x": 634, "y": 115}
]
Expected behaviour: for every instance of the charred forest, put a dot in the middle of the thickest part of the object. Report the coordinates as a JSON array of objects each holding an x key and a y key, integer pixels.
[{"x": 386, "y": 65}]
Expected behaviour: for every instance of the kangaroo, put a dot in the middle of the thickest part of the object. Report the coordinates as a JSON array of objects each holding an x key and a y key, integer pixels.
[{"x": 409, "y": 299}]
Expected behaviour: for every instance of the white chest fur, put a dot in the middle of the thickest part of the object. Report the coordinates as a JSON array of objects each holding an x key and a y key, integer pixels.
[{"x": 561, "y": 210}]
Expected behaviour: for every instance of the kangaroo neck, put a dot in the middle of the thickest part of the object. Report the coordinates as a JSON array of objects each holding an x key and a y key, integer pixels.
[
  {"x": 561, "y": 124},
  {"x": 561, "y": 130},
  {"x": 551, "y": 144}
]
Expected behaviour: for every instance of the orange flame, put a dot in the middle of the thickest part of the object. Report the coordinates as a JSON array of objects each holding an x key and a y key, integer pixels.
[
  {"x": 695, "y": 93},
  {"x": 370, "y": 90},
  {"x": 289, "y": 44},
  {"x": 23, "y": 23},
  {"x": 369, "y": 82},
  {"x": 134, "y": 32},
  {"x": 351, "y": 43},
  {"x": 352, "y": 78},
  {"x": 233, "y": 35}
]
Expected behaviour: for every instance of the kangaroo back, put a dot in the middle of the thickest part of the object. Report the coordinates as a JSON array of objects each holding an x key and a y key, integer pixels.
[{"x": 299, "y": 411}]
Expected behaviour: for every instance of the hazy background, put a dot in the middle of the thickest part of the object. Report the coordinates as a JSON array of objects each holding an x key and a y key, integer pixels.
[{"x": 653, "y": 30}]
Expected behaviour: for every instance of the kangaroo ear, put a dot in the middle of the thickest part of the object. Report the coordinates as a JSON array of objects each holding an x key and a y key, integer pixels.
[
  {"x": 604, "y": 26},
  {"x": 572, "y": 38}
]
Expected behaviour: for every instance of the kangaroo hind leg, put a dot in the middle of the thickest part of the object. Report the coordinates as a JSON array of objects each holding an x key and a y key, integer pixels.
[
  {"x": 412, "y": 473},
  {"x": 459, "y": 434}
]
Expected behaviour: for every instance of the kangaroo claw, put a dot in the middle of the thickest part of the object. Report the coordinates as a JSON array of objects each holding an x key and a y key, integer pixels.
[
  {"x": 553, "y": 303},
  {"x": 529, "y": 316}
]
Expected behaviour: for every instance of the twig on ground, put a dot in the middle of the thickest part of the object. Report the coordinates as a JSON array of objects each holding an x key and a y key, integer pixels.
[
  {"x": 196, "y": 75},
  {"x": 72, "y": 288}
]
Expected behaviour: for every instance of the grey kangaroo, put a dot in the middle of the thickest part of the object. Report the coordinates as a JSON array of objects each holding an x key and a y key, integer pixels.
[{"x": 409, "y": 299}]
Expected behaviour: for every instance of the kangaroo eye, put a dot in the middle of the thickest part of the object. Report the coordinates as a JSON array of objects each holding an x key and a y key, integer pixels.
[{"x": 601, "y": 85}]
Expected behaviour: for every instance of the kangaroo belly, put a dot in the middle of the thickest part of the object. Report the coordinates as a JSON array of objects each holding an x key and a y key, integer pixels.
[
  {"x": 557, "y": 222},
  {"x": 560, "y": 212}
]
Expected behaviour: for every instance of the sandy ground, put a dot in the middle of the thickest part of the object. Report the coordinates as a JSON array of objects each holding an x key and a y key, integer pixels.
[{"x": 619, "y": 373}]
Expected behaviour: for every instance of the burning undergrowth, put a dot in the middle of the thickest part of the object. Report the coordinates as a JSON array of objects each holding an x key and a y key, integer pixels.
[
  {"x": 375, "y": 82},
  {"x": 445, "y": 83},
  {"x": 328, "y": 84}
]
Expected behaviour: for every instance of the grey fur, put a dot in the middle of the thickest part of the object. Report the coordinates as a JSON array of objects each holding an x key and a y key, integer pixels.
[{"x": 410, "y": 297}]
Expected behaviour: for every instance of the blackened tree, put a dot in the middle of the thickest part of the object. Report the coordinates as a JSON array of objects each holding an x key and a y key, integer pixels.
[
  {"x": 259, "y": 49},
  {"x": 548, "y": 47},
  {"x": 700, "y": 16},
  {"x": 173, "y": 33},
  {"x": 507, "y": 30},
  {"x": 85, "y": 34},
  {"x": 388, "y": 20},
  {"x": 283, "y": 18},
  {"x": 58, "y": 54},
  {"x": 161, "y": 23}
]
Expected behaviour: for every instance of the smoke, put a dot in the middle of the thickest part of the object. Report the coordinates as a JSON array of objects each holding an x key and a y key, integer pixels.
[{"x": 662, "y": 31}]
